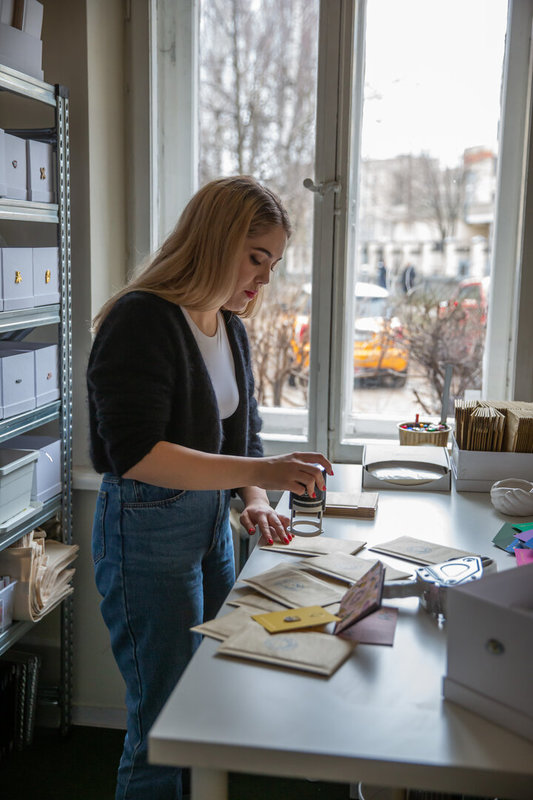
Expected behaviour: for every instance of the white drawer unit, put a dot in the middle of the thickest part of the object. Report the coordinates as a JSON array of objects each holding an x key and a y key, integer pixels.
[
  {"x": 40, "y": 171},
  {"x": 15, "y": 167},
  {"x": 21, "y": 51},
  {"x": 47, "y": 471},
  {"x": 45, "y": 275},
  {"x": 17, "y": 382},
  {"x": 45, "y": 364}
]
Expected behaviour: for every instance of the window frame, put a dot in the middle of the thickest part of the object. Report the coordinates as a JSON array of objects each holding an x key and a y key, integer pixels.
[{"x": 339, "y": 92}]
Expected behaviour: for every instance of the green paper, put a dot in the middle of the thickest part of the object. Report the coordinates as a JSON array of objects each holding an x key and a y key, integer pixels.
[
  {"x": 505, "y": 536},
  {"x": 523, "y": 526}
]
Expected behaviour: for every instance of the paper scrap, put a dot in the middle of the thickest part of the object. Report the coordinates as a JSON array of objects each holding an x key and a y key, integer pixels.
[
  {"x": 523, "y": 556},
  {"x": 505, "y": 536}
]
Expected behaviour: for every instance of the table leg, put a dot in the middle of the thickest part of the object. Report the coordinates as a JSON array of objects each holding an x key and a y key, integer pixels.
[{"x": 209, "y": 784}]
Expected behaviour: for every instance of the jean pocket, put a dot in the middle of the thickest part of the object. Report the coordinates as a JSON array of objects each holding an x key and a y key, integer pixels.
[
  {"x": 98, "y": 540},
  {"x": 145, "y": 495}
]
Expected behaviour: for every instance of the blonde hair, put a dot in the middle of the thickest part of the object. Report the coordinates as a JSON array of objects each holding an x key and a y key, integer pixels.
[{"x": 197, "y": 265}]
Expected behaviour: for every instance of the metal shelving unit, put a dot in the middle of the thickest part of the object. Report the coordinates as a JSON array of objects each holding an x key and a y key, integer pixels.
[{"x": 57, "y": 214}]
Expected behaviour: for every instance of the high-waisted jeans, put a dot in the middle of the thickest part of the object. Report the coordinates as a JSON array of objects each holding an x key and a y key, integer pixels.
[{"x": 163, "y": 563}]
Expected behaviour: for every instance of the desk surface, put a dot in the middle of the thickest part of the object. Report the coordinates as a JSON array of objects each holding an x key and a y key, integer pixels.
[{"x": 381, "y": 717}]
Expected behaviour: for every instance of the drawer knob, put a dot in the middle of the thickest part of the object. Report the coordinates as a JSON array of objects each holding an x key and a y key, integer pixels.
[{"x": 495, "y": 647}]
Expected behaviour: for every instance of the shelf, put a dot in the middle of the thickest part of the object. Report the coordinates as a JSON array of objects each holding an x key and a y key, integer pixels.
[
  {"x": 14, "y": 426},
  {"x": 15, "y": 632},
  {"x": 28, "y": 210},
  {"x": 23, "y": 318},
  {"x": 43, "y": 514},
  {"x": 11, "y": 80}
]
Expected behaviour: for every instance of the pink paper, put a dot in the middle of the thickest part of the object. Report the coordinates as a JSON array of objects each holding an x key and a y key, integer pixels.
[{"x": 523, "y": 556}]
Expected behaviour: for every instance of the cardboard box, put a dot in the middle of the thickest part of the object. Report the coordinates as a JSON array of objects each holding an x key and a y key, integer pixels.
[
  {"x": 21, "y": 51},
  {"x": 46, "y": 367},
  {"x": 489, "y": 633},
  {"x": 477, "y": 470},
  {"x": 17, "y": 382},
  {"x": 40, "y": 171},
  {"x": 45, "y": 275},
  {"x": 413, "y": 468},
  {"x": 14, "y": 165},
  {"x": 16, "y": 478},
  {"x": 17, "y": 277},
  {"x": 47, "y": 475}
]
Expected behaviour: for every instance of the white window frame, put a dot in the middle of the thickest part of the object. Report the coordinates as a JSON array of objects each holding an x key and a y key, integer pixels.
[{"x": 173, "y": 112}]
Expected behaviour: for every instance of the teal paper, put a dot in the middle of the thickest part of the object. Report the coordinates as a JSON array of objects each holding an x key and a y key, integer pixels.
[
  {"x": 505, "y": 536},
  {"x": 523, "y": 526}
]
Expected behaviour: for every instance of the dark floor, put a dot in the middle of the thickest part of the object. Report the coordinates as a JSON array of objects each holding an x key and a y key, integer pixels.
[{"x": 82, "y": 766}]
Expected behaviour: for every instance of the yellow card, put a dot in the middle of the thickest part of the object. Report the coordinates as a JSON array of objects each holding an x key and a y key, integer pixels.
[{"x": 292, "y": 619}]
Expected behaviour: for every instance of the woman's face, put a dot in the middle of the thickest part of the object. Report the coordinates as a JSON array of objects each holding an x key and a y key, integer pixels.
[{"x": 260, "y": 255}]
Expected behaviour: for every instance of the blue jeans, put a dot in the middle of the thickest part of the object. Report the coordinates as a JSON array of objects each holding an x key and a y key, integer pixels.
[{"x": 163, "y": 563}]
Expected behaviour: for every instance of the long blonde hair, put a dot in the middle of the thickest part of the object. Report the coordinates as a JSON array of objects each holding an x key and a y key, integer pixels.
[{"x": 197, "y": 265}]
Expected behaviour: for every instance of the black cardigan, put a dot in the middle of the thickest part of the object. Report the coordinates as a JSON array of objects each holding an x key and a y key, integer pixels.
[{"x": 147, "y": 382}]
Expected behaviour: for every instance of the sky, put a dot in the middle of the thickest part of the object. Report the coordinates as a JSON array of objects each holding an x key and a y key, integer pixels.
[{"x": 437, "y": 66}]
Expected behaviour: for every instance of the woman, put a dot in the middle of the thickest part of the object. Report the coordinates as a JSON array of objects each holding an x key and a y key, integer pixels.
[{"x": 174, "y": 428}]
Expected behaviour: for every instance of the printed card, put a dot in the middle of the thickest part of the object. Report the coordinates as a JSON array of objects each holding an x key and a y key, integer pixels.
[
  {"x": 293, "y": 619},
  {"x": 349, "y": 568},
  {"x": 315, "y": 546},
  {"x": 362, "y": 598}
]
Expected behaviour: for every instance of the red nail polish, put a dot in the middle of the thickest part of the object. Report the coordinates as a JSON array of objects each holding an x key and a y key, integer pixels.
[
  {"x": 313, "y": 495},
  {"x": 251, "y": 530}
]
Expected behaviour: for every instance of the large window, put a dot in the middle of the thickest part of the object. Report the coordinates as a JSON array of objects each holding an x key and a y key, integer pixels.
[{"x": 382, "y": 125}]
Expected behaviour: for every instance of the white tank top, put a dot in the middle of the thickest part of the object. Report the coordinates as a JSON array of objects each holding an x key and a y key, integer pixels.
[{"x": 218, "y": 359}]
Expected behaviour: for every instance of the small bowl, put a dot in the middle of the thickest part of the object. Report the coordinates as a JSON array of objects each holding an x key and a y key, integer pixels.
[
  {"x": 513, "y": 496},
  {"x": 414, "y": 433}
]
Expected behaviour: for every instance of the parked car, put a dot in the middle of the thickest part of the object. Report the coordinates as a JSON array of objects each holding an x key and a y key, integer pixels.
[
  {"x": 380, "y": 352},
  {"x": 471, "y": 296}
]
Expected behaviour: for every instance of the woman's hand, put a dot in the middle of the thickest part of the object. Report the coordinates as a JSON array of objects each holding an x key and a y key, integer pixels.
[
  {"x": 293, "y": 472},
  {"x": 272, "y": 526}
]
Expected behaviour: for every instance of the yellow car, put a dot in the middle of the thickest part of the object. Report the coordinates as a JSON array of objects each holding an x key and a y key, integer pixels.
[{"x": 380, "y": 352}]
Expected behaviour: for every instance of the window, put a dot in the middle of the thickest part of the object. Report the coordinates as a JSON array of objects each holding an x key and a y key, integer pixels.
[{"x": 407, "y": 177}]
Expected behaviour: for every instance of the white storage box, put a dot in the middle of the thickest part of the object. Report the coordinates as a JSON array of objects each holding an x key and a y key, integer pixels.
[
  {"x": 16, "y": 478},
  {"x": 45, "y": 275},
  {"x": 489, "y": 633},
  {"x": 32, "y": 17},
  {"x": 415, "y": 468},
  {"x": 15, "y": 166},
  {"x": 47, "y": 481},
  {"x": 477, "y": 470},
  {"x": 17, "y": 382},
  {"x": 40, "y": 171},
  {"x": 21, "y": 51},
  {"x": 46, "y": 368},
  {"x": 7, "y": 599},
  {"x": 3, "y": 186},
  {"x": 17, "y": 277},
  {"x": 7, "y": 8}
]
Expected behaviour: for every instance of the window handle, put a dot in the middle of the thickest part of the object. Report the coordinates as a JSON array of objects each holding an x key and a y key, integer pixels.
[{"x": 322, "y": 188}]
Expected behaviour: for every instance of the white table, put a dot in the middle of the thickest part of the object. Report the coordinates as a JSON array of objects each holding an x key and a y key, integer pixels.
[{"x": 380, "y": 718}]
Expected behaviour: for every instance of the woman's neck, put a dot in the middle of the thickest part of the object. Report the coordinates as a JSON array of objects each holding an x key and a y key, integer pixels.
[{"x": 207, "y": 321}]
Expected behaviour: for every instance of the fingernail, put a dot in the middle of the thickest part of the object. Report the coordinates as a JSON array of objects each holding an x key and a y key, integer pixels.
[
  {"x": 251, "y": 530},
  {"x": 313, "y": 495},
  {"x": 271, "y": 541},
  {"x": 324, "y": 488}
]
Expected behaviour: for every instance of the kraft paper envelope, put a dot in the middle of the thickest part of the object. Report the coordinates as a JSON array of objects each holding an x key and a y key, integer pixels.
[
  {"x": 310, "y": 651},
  {"x": 243, "y": 597},
  {"x": 418, "y": 550},
  {"x": 226, "y": 625},
  {"x": 293, "y": 586},
  {"x": 349, "y": 568},
  {"x": 294, "y": 619},
  {"x": 315, "y": 546}
]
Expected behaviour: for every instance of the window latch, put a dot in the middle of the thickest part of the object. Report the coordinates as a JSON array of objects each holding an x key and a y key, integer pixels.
[{"x": 322, "y": 188}]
